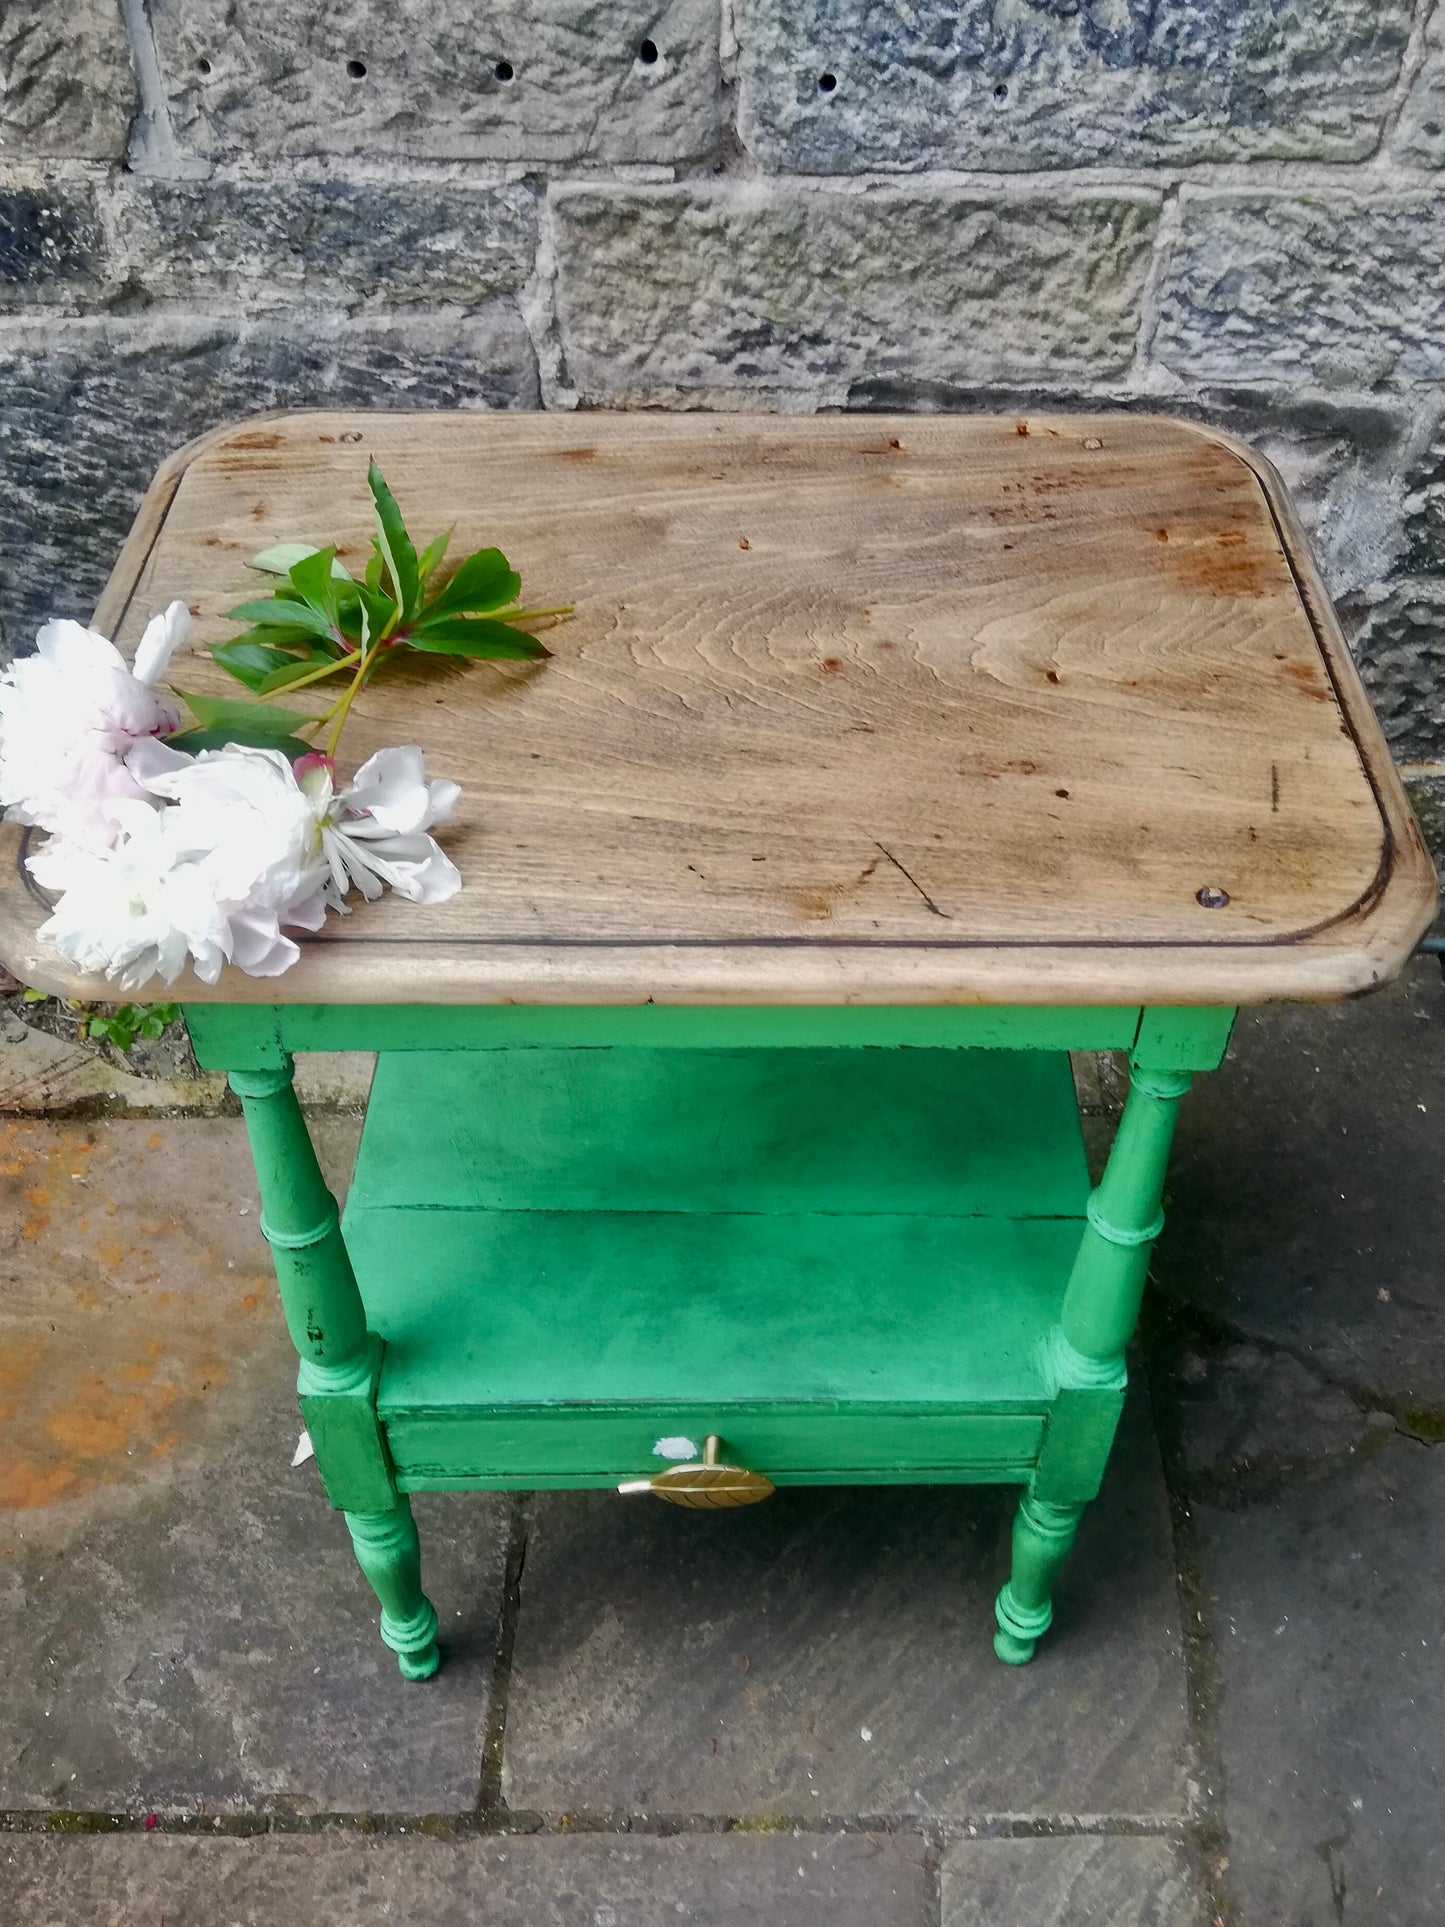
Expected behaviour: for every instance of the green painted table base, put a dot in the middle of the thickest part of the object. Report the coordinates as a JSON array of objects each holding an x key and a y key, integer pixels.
[{"x": 857, "y": 1245}]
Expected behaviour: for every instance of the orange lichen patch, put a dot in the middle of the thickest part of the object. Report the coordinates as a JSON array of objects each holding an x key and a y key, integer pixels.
[
  {"x": 24, "y": 1487},
  {"x": 102, "y": 1421},
  {"x": 19, "y": 1362},
  {"x": 114, "y": 1348}
]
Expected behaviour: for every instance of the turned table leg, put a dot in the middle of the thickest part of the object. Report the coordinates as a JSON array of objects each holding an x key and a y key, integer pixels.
[
  {"x": 340, "y": 1360},
  {"x": 1101, "y": 1307}
]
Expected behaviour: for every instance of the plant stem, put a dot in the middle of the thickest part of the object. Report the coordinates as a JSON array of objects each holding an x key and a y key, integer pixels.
[
  {"x": 531, "y": 615},
  {"x": 315, "y": 675},
  {"x": 343, "y": 708}
]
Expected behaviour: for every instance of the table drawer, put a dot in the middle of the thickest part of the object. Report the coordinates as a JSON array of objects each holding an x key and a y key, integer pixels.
[{"x": 436, "y": 1451}]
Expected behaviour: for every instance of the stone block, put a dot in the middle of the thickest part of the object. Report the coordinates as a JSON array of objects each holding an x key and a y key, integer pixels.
[
  {"x": 67, "y": 86},
  {"x": 50, "y": 244},
  {"x": 1420, "y": 131},
  {"x": 1401, "y": 654},
  {"x": 338, "y": 241},
  {"x": 829, "y": 88},
  {"x": 93, "y": 409},
  {"x": 1425, "y": 508},
  {"x": 40, "y": 1072},
  {"x": 1331, "y": 288},
  {"x": 1066, "y": 1883},
  {"x": 596, "y": 80},
  {"x": 1426, "y": 791},
  {"x": 728, "y": 1880},
  {"x": 696, "y": 294}
]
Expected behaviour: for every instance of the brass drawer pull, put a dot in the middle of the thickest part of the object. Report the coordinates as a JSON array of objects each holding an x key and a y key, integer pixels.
[{"x": 705, "y": 1482}]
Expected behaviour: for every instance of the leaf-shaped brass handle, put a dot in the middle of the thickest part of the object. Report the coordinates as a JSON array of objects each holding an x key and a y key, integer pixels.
[{"x": 706, "y": 1482}]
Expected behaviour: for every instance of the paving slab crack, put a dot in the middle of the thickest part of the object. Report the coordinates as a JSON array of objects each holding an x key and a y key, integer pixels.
[
  {"x": 490, "y": 1797},
  {"x": 1201, "y": 1660}
]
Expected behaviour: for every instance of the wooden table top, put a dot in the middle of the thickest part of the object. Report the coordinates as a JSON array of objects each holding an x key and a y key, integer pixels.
[{"x": 853, "y": 709}]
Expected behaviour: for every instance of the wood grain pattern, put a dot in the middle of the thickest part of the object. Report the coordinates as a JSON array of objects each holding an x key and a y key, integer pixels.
[{"x": 853, "y": 709}]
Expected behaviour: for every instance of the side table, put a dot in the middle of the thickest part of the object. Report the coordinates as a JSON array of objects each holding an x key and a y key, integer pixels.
[{"x": 723, "y": 1131}]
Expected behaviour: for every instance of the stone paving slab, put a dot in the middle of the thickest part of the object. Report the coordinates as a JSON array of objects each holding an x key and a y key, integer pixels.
[
  {"x": 829, "y": 1653},
  {"x": 1307, "y": 1191},
  {"x": 1326, "y": 1603},
  {"x": 182, "y": 1623},
  {"x": 1305, "y": 1344},
  {"x": 815, "y": 1880},
  {"x": 1083, "y": 1882}
]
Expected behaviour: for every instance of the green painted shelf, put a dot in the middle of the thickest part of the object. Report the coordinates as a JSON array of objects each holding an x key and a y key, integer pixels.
[{"x": 845, "y": 1262}]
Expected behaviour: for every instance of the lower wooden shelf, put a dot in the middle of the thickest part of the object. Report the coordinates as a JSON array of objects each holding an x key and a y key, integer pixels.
[{"x": 846, "y": 1263}]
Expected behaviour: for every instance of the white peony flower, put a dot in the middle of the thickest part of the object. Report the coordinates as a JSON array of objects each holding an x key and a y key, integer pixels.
[
  {"x": 233, "y": 854},
  {"x": 69, "y": 717},
  {"x": 374, "y": 831},
  {"x": 224, "y": 851},
  {"x": 240, "y": 811},
  {"x": 134, "y": 911}
]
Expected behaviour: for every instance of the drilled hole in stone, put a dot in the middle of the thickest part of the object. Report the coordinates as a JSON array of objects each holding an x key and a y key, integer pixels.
[
  {"x": 203, "y": 66},
  {"x": 503, "y": 70},
  {"x": 357, "y": 69},
  {"x": 826, "y": 83},
  {"x": 1000, "y": 93},
  {"x": 647, "y": 52}
]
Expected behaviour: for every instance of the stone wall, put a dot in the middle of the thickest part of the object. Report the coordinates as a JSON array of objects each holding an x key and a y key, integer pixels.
[{"x": 1227, "y": 208}]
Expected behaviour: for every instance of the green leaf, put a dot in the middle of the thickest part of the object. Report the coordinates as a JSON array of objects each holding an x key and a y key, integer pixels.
[
  {"x": 312, "y": 577},
  {"x": 281, "y": 634},
  {"x": 485, "y": 580},
  {"x": 281, "y": 559},
  {"x": 262, "y": 719},
  {"x": 396, "y": 544},
  {"x": 252, "y": 662},
  {"x": 30, "y": 996},
  {"x": 191, "y": 740},
  {"x": 476, "y": 636},
  {"x": 432, "y": 554},
  {"x": 293, "y": 615},
  {"x": 375, "y": 567}
]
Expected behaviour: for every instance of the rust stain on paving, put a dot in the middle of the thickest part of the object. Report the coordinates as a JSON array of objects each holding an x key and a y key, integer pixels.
[{"x": 134, "y": 1283}]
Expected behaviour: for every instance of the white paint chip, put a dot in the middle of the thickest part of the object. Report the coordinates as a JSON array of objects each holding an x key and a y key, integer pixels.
[
  {"x": 304, "y": 1450},
  {"x": 678, "y": 1448}
]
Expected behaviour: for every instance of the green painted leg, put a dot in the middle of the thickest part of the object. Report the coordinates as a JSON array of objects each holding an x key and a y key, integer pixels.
[
  {"x": 389, "y": 1554},
  {"x": 340, "y": 1360},
  {"x": 1125, "y": 1216},
  {"x": 1100, "y": 1309},
  {"x": 1043, "y": 1534}
]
